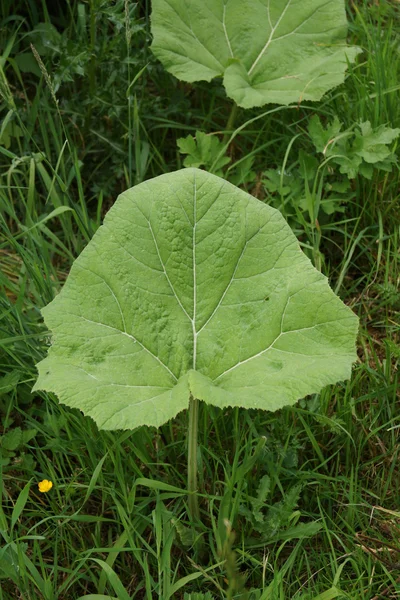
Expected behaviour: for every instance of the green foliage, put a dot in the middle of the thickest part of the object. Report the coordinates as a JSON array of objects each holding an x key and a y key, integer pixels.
[
  {"x": 14, "y": 441},
  {"x": 9, "y": 130},
  {"x": 204, "y": 151},
  {"x": 199, "y": 596},
  {"x": 243, "y": 174},
  {"x": 9, "y": 561},
  {"x": 278, "y": 53},
  {"x": 91, "y": 70},
  {"x": 357, "y": 150},
  {"x": 388, "y": 294},
  {"x": 307, "y": 192},
  {"x": 173, "y": 297},
  {"x": 312, "y": 190},
  {"x": 9, "y": 382},
  {"x": 278, "y": 521},
  {"x": 12, "y": 446},
  {"x": 73, "y": 57},
  {"x": 341, "y": 444}
]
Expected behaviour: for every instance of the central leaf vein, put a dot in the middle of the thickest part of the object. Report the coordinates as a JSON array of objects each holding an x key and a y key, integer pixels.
[
  {"x": 165, "y": 270},
  {"x": 230, "y": 281},
  {"x": 225, "y": 30},
  {"x": 261, "y": 54}
]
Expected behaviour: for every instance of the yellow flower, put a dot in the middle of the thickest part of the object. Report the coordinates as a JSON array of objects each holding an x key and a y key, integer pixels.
[{"x": 45, "y": 485}]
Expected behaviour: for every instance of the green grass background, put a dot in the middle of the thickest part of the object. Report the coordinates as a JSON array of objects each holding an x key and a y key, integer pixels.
[{"x": 90, "y": 115}]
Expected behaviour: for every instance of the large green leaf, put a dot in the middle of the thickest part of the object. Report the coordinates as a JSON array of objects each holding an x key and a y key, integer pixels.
[
  {"x": 279, "y": 51},
  {"x": 192, "y": 286}
]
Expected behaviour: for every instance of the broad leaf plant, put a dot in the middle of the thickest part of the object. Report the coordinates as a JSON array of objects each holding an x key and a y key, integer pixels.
[
  {"x": 192, "y": 290},
  {"x": 266, "y": 51}
]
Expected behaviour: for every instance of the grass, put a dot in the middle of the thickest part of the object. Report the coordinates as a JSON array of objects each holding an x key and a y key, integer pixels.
[{"x": 114, "y": 525}]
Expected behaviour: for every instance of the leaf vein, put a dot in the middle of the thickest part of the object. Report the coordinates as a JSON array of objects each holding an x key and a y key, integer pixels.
[{"x": 131, "y": 337}]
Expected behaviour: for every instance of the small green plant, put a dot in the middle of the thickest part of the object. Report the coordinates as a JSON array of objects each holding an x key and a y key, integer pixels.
[
  {"x": 358, "y": 150},
  {"x": 304, "y": 192},
  {"x": 312, "y": 190},
  {"x": 12, "y": 446},
  {"x": 279, "y": 521},
  {"x": 14, "y": 440},
  {"x": 192, "y": 290},
  {"x": 204, "y": 151}
]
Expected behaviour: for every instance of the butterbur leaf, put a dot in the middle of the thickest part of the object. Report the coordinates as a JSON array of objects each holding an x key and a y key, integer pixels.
[
  {"x": 280, "y": 51},
  {"x": 192, "y": 286}
]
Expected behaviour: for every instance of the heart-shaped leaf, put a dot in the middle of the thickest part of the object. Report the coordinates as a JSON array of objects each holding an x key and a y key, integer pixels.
[
  {"x": 279, "y": 51},
  {"x": 192, "y": 286}
]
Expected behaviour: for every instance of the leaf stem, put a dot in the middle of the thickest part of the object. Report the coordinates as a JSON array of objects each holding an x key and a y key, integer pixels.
[
  {"x": 230, "y": 122},
  {"x": 249, "y": 122},
  {"x": 192, "y": 458}
]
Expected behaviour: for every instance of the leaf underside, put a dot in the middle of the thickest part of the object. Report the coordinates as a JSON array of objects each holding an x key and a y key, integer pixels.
[
  {"x": 192, "y": 286},
  {"x": 267, "y": 51}
]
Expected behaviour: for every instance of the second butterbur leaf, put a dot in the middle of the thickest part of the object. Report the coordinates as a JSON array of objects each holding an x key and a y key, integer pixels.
[
  {"x": 270, "y": 51},
  {"x": 192, "y": 287}
]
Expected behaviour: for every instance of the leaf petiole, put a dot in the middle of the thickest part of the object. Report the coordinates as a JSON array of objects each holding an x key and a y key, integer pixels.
[{"x": 192, "y": 458}]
